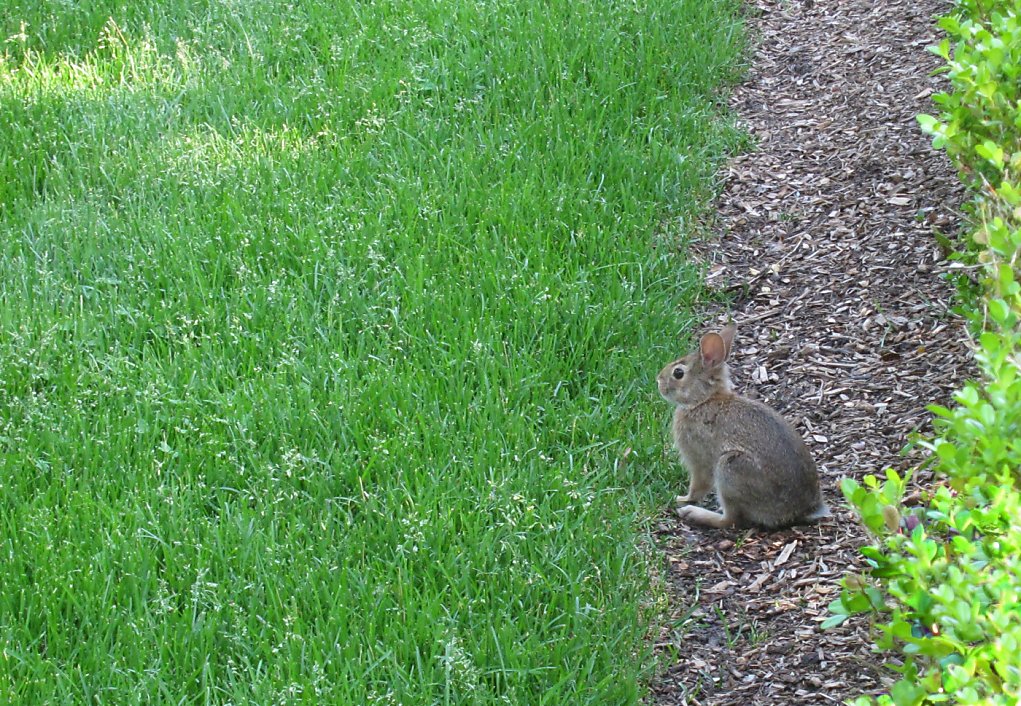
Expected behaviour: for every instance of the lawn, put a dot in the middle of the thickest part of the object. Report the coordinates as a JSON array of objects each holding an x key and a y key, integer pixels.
[{"x": 325, "y": 332}]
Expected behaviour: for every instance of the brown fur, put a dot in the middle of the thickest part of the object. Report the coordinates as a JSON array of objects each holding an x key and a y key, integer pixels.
[{"x": 759, "y": 466}]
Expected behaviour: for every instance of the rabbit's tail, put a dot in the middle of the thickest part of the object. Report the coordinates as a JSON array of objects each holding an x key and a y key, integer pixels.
[{"x": 819, "y": 513}]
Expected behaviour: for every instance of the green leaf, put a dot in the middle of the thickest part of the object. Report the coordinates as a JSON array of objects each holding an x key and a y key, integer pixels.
[
  {"x": 901, "y": 629},
  {"x": 849, "y": 487},
  {"x": 999, "y": 310},
  {"x": 906, "y": 693},
  {"x": 992, "y": 152},
  {"x": 834, "y": 620},
  {"x": 856, "y": 603},
  {"x": 837, "y": 607},
  {"x": 1009, "y": 193},
  {"x": 876, "y": 598},
  {"x": 928, "y": 123}
]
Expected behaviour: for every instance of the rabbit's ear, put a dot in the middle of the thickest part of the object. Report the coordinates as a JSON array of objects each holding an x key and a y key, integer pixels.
[
  {"x": 713, "y": 350},
  {"x": 727, "y": 334}
]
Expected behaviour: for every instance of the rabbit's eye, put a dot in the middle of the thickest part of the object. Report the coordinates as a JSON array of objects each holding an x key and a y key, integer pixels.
[{"x": 678, "y": 373}]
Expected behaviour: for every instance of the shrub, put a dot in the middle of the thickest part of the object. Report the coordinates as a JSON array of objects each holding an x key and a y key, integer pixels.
[{"x": 944, "y": 579}]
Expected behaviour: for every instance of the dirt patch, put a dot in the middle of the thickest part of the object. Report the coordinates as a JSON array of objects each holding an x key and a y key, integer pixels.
[{"x": 826, "y": 237}]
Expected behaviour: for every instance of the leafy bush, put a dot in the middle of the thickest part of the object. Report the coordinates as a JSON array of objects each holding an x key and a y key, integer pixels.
[
  {"x": 944, "y": 585},
  {"x": 979, "y": 126}
]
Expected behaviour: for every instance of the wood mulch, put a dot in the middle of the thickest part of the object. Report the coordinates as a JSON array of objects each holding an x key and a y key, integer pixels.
[{"x": 826, "y": 240}]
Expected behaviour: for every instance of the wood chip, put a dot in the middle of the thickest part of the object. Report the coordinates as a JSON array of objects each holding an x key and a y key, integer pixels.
[{"x": 785, "y": 554}]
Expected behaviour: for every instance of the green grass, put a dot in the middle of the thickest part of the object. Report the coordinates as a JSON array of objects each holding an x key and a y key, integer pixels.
[{"x": 324, "y": 328}]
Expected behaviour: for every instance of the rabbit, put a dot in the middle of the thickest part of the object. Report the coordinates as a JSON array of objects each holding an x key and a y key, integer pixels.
[{"x": 763, "y": 473}]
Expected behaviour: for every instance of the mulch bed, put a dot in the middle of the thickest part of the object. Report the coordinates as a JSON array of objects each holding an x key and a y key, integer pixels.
[{"x": 826, "y": 240}]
